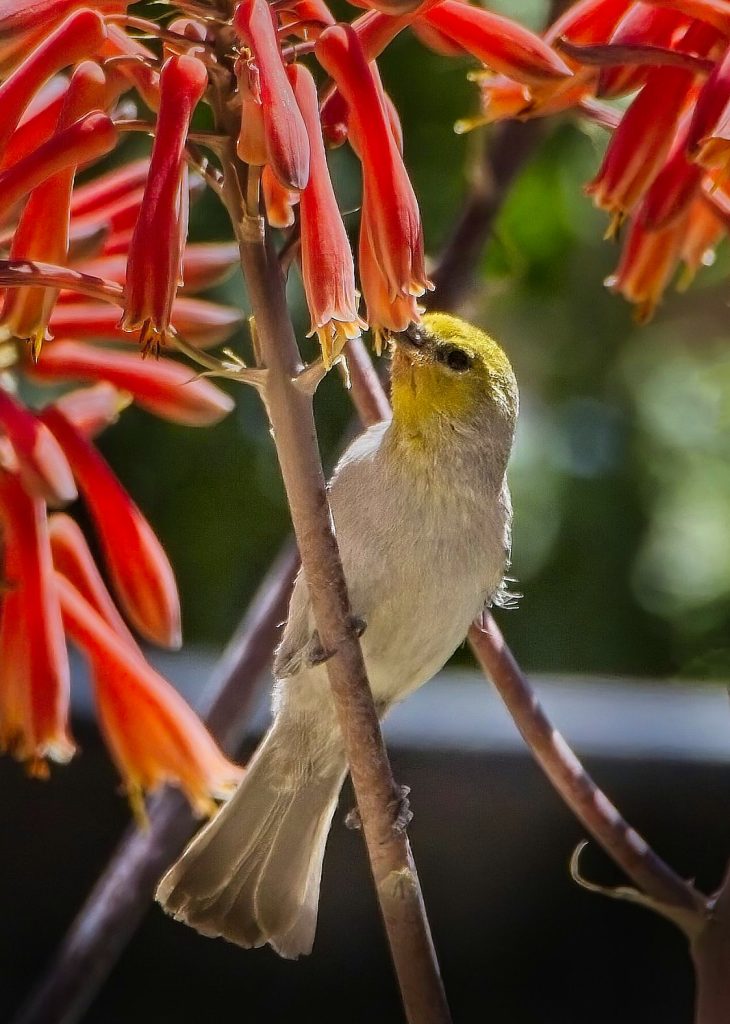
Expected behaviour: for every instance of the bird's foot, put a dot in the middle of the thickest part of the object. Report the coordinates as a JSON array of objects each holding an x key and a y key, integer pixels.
[
  {"x": 399, "y": 805},
  {"x": 318, "y": 655}
]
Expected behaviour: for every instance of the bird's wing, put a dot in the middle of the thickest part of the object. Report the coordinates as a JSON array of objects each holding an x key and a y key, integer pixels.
[{"x": 294, "y": 653}]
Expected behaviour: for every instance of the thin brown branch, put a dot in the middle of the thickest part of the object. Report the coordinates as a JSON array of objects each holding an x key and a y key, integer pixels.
[
  {"x": 671, "y": 895},
  {"x": 119, "y": 900},
  {"x": 292, "y": 419}
]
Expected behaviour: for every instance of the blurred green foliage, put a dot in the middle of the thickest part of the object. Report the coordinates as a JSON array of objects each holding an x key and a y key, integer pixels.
[{"x": 620, "y": 476}]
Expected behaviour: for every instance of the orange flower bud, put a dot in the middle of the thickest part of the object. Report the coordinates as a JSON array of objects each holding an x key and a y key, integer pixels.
[
  {"x": 154, "y": 736},
  {"x": 287, "y": 146},
  {"x": 140, "y": 571},
  {"x": 327, "y": 265},
  {"x": 154, "y": 263},
  {"x": 164, "y": 388},
  {"x": 34, "y": 682}
]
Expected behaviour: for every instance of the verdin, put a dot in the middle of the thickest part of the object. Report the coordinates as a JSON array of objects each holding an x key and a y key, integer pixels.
[{"x": 422, "y": 514}]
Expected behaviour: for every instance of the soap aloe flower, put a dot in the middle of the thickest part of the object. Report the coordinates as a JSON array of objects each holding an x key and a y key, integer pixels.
[
  {"x": 327, "y": 265},
  {"x": 499, "y": 43},
  {"x": 391, "y": 222},
  {"x": 165, "y": 388},
  {"x": 287, "y": 145},
  {"x": 153, "y": 735},
  {"x": 154, "y": 262},
  {"x": 647, "y": 264},
  {"x": 34, "y": 687},
  {"x": 79, "y": 37},
  {"x": 42, "y": 233},
  {"x": 279, "y": 201},
  {"x": 30, "y": 449},
  {"x": 138, "y": 566},
  {"x": 641, "y": 144},
  {"x": 200, "y": 322}
]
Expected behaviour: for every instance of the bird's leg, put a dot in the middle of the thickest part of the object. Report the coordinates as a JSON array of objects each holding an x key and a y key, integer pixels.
[
  {"x": 400, "y": 805},
  {"x": 317, "y": 654}
]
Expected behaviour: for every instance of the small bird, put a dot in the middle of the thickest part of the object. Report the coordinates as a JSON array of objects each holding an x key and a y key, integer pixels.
[{"x": 422, "y": 514}]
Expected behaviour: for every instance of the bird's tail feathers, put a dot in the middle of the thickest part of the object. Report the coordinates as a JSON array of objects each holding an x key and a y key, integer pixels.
[{"x": 252, "y": 874}]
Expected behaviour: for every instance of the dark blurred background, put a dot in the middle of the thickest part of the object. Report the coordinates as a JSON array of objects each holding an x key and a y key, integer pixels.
[{"x": 621, "y": 487}]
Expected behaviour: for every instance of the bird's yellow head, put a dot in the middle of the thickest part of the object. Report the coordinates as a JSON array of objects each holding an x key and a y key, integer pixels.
[{"x": 450, "y": 377}]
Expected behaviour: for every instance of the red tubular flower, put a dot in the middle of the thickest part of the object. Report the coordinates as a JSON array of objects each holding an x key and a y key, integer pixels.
[
  {"x": 140, "y": 571},
  {"x": 73, "y": 559},
  {"x": 643, "y": 25},
  {"x": 42, "y": 233},
  {"x": 385, "y": 313},
  {"x": 154, "y": 265},
  {"x": 87, "y": 139},
  {"x": 98, "y": 195},
  {"x": 165, "y": 388},
  {"x": 703, "y": 230},
  {"x": 648, "y": 261},
  {"x": 41, "y": 464},
  {"x": 204, "y": 265},
  {"x": 251, "y": 145},
  {"x": 714, "y": 12},
  {"x": 20, "y": 15},
  {"x": 708, "y": 139},
  {"x": 200, "y": 322},
  {"x": 391, "y": 223},
  {"x": 639, "y": 147},
  {"x": 327, "y": 265},
  {"x": 501, "y": 44},
  {"x": 139, "y": 67},
  {"x": 279, "y": 201},
  {"x": 588, "y": 21},
  {"x": 91, "y": 410},
  {"x": 37, "y": 123},
  {"x": 34, "y": 682},
  {"x": 79, "y": 37},
  {"x": 287, "y": 146},
  {"x": 674, "y": 188},
  {"x": 154, "y": 736}
]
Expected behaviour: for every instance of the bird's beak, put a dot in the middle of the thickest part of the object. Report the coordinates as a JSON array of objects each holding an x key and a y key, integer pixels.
[{"x": 413, "y": 344}]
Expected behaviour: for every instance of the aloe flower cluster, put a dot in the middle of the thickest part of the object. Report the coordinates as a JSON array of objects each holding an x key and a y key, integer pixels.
[
  {"x": 665, "y": 178},
  {"x": 96, "y": 273}
]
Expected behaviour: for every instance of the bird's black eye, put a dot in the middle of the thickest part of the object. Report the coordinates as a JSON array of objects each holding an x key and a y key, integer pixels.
[{"x": 455, "y": 358}]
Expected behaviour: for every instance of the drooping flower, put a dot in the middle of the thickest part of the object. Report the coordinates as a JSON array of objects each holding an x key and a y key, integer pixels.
[
  {"x": 648, "y": 262},
  {"x": 85, "y": 140},
  {"x": 73, "y": 560},
  {"x": 165, "y": 388},
  {"x": 200, "y": 322},
  {"x": 43, "y": 230},
  {"x": 30, "y": 449},
  {"x": 138, "y": 566},
  {"x": 279, "y": 201},
  {"x": 78, "y": 38},
  {"x": 154, "y": 736},
  {"x": 327, "y": 265},
  {"x": 34, "y": 673},
  {"x": 154, "y": 262},
  {"x": 391, "y": 222},
  {"x": 501, "y": 44},
  {"x": 287, "y": 145}
]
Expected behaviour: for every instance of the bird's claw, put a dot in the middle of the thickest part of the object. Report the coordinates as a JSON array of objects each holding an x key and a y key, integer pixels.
[
  {"x": 318, "y": 655},
  {"x": 400, "y": 806}
]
